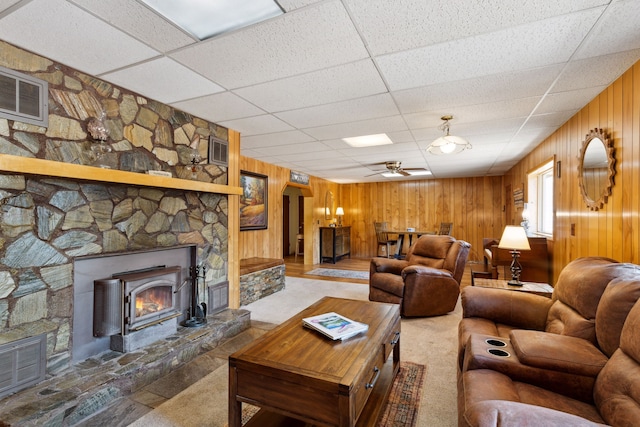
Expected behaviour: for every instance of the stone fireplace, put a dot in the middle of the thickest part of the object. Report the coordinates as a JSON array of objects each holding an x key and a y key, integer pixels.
[{"x": 51, "y": 227}]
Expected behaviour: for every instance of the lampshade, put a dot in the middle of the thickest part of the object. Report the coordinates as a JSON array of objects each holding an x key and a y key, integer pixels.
[
  {"x": 448, "y": 144},
  {"x": 339, "y": 211},
  {"x": 514, "y": 237}
]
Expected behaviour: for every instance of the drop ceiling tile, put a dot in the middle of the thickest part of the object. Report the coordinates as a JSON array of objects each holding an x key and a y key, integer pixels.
[
  {"x": 480, "y": 90},
  {"x": 571, "y": 100},
  {"x": 555, "y": 119},
  {"x": 408, "y": 24},
  {"x": 365, "y": 127},
  {"x": 477, "y": 113},
  {"x": 298, "y": 42},
  {"x": 335, "y": 84},
  {"x": 289, "y": 5},
  {"x": 219, "y": 107},
  {"x": 93, "y": 46},
  {"x": 256, "y": 125},
  {"x": 164, "y": 80},
  {"x": 619, "y": 30},
  {"x": 140, "y": 22},
  {"x": 274, "y": 139},
  {"x": 595, "y": 71},
  {"x": 298, "y": 148},
  {"x": 6, "y": 4},
  {"x": 537, "y": 44},
  {"x": 370, "y": 107},
  {"x": 295, "y": 157}
]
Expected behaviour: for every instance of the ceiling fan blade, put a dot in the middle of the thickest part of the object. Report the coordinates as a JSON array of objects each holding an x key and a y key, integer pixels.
[
  {"x": 403, "y": 172},
  {"x": 377, "y": 173}
]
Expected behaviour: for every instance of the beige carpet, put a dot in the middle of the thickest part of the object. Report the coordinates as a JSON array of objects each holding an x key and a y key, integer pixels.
[{"x": 428, "y": 341}]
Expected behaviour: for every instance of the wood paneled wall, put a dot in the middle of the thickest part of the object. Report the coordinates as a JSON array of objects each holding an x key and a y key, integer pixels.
[
  {"x": 268, "y": 243},
  {"x": 614, "y": 230},
  {"x": 473, "y": 205}
]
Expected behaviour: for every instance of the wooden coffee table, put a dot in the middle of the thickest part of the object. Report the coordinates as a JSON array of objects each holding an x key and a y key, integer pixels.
[{"x": 297, "y": 376}]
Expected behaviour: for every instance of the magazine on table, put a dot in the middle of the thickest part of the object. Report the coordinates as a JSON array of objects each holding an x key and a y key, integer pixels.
[{"x": 334, "y": 325}]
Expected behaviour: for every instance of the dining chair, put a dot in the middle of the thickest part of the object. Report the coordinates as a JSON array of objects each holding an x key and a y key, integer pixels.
[
  {"x": 445, "y": 228},
  {"x": 383, "y": 238}
]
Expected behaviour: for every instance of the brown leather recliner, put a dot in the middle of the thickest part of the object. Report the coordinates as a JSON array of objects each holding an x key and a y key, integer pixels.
[
  {"x": 427, "y": 282},
  {"x": 571, "y": 311},
  {"x": 557, "y": 354},
  {"x": 490, "y": 398}
]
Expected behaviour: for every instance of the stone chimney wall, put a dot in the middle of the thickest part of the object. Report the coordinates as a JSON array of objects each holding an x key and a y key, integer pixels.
[{"x": 45, "y": 223}]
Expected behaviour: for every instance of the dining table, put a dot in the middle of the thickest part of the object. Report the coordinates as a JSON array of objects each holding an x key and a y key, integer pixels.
[{"x": 400, "y": 240}]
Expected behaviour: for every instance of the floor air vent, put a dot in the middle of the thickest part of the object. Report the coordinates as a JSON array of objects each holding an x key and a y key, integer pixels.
[{"x": 22, "y": 364}]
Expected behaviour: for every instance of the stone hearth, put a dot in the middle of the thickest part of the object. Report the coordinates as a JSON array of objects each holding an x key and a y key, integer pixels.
[{"x": 94, "y": 384}]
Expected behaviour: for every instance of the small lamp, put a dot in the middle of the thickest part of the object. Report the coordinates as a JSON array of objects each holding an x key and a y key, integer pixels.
[
  {"x": 515, "y": 239},
  {"x": 339, "y": 214}
]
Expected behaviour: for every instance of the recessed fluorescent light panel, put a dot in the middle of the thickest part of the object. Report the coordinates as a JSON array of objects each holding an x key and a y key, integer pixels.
[
  {"x": 419, "y": 172},
  {"x": 368, "y": 140},
  {"x": 208, "y": 18}
]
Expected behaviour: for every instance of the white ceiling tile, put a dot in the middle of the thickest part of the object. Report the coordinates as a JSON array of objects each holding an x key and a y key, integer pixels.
[
  {"x": 340, "y": 112},
  {"x": 408, "y": 24},
  {"x": 289, "y": 5},
  {"x": 6, "y": 4},
  {"x": 275, "y": 139},
  {"x": 619, "y": 30},
  {"x": 499, "y": 52},
  {"x": 72, "y": 36},
  {"x": 555, "y": 119},
  {"x": 595, "y": 71},
  {"x": 571, "y": 100},
  {"x": 365, "y": 127},
  {"x": 318, "y": 155},
  {"x": 298, "y": 42},
  {"x": 476, "y": 113},
  {"x": 219, "y": 107},
  {"x": 343, "y": 82},
  {"x": 163, "y": 80},
  {"x": 257, "y": 125},
  {"x": 480, "y": 90},
  {"x": 140, "y": 22},
  {"x": 298, "y": 148}
]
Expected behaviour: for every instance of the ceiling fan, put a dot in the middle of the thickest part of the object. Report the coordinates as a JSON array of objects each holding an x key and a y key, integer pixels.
[{"x": 395, "y": 167}]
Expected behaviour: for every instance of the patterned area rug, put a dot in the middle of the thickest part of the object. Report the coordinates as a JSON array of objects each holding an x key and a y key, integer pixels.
[
  {"x": 332, "y": 272},
  {"x": 402, "y": 407}
]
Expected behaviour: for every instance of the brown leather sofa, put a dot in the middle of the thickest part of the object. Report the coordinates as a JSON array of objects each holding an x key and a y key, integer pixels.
[
  {"x": 427, "y": 282},
  {"x": 570, "y": 360}
]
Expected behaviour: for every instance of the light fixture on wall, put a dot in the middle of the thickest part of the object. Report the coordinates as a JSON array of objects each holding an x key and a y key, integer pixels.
[
  {"x": 339, "y": 214},
  {"x": 448, "y": 144},
  {"x": 515, "y": 239}
]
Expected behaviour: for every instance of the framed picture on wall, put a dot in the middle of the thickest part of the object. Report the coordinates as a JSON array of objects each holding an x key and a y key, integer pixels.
[{"x": 253, "y": 201}]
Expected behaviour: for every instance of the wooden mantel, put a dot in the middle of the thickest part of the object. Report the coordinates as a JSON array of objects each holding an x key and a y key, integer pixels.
[{"x": 28, "y": 165}]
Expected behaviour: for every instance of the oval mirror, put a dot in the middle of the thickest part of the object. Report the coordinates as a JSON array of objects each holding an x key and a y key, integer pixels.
[
  {"x": 328, "y": 205},
  {"x": 596, "y": 169}
]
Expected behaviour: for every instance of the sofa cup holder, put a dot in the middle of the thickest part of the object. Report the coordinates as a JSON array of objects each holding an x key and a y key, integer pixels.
[
  {"x": 498, "y": 352},
  {"x": 496, "y": 343}
]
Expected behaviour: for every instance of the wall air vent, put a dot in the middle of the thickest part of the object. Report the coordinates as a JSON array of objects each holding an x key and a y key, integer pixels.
[
  {"x": 218, "y": 151},
  {"x": 22, "y": 363},
  {"x": 23, "y": 98}
]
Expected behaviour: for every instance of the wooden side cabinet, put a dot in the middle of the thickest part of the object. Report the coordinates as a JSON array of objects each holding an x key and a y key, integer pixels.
[{"x": 335, "y": 243}]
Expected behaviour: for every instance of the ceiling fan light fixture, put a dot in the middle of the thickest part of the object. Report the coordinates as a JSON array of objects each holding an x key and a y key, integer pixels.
[{"x": 448, "y": 144}]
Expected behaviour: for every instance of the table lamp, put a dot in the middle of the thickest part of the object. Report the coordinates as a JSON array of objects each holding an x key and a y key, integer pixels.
[
  {"x": 515, "y": 239},
  {"x": 339, "y": 214}
]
